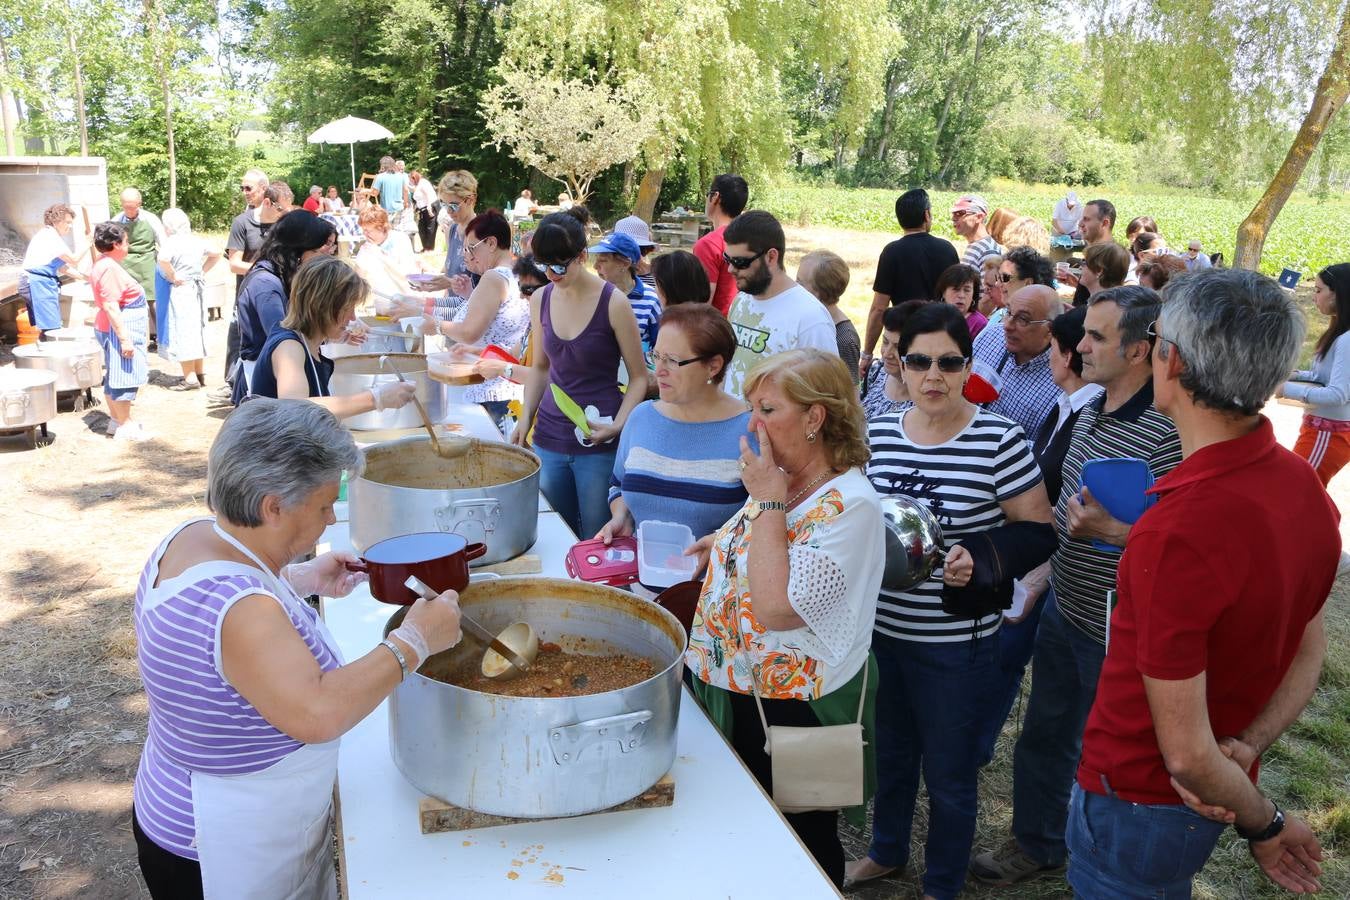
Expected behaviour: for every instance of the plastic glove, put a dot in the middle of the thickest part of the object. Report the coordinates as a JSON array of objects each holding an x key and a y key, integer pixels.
[
  {"x": 393, "y": 394},
  {"x": 325, "y": 575},
  {"x": 430, "y": 626}
]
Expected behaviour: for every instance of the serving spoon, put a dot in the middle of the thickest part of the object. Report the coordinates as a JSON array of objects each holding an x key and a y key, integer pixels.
[{"x": 508, "y": 654}]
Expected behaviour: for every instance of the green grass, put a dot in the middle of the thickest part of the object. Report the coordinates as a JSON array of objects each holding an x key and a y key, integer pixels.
[{"x": 1309, "y": 234}]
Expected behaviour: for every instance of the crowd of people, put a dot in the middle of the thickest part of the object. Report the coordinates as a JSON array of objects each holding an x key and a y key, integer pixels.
[{"x": 1167, "y": 652}]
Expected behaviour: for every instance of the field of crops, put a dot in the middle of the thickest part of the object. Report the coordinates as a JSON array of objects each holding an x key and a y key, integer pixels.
[{"x": 1308, "y": 235}]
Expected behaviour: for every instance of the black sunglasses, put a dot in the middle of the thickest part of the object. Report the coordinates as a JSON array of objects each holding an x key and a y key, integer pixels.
[
  {"x": 922, "y": 362},
  {"x": 740, "y": 263},
  {"x": 528, "y": 289},
  {"x": 558, "y": 268}
]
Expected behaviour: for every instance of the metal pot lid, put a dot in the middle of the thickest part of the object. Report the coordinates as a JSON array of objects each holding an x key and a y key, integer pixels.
[
  {"x": 415, "y": 548},
  {"x": 914, "y": 542}
]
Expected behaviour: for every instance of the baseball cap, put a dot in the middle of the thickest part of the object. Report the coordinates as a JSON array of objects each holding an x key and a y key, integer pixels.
[
  {"x": 622, "y": 244},
  {"x": 637, "y": 229},
  {"x": 971, "y": 203}
]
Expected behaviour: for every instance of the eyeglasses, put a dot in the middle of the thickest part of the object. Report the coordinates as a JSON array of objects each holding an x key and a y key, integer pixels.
[
  {"x": 1152, "y": 332},
  {"x": 246, "y": 188},
  {"x": 528, "y": 289},
  {"x": 558, "y": 268},
  {"x": 453, "y": 205},
  {"x": 661, "y": 359},
  {"x": 741, "y": 263},
  {"x": 922, "y": 362},
  {"x": 469, "y": 248},
  {"x": 1022, "y": 320}
]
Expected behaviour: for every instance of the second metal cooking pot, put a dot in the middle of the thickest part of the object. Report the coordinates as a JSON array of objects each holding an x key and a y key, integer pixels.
[
  {"x": 27, "y": 398},
  {"x": 76, "y": 364},
  {"x": 543, "y": 757},
  {"x": 362, "y": 371},
  {"x": 491, "y": 494},
  {"x": 440, "y": 560}
]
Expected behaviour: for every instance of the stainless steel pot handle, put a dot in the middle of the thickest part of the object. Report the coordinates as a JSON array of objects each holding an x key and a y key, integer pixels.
[
  {"x": 15, "y": 402},
  {"x": 570, "y": 741},
  {"x": 84, "y": 371},
  {"x": 474, "y": 519}
]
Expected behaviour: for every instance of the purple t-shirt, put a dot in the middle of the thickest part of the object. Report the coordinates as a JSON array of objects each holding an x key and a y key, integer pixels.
[{"x": 586, "y": 368}]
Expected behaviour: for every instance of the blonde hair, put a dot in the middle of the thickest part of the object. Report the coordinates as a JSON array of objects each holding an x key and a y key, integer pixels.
[
  {"x": 998, "y": 222},
  {"x": 459, "y": 182},
  {"x": 323, "y": 287},
  {"x": 829, "y": 280},
  {"x": 1026, "y": 231},
  {"x": 993, "y": 261},
  {"x": 813, "y": 377},
  {"x": 373, "y": 217}
]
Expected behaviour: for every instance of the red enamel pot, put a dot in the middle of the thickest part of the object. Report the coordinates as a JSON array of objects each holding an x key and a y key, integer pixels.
[{"x": 438, "y": 558}]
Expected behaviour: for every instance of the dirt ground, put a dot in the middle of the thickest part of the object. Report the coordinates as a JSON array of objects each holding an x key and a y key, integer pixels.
[{"x": 78, "y": 519}]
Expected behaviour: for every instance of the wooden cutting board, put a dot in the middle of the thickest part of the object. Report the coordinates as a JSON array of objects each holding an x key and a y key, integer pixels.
[
  {"x": 526, "y": 564},
  {"x": 436, "y": 816}
]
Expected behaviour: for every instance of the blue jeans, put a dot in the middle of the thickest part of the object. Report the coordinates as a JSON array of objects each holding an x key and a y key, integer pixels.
[
  {"x": 1122, "y": 851},
  {"x": 931, "y": 707},
  {"x": 1015, "y": 645},
  {"x": 1064, "y": 675},
  {"x": 577, "y": 487}
]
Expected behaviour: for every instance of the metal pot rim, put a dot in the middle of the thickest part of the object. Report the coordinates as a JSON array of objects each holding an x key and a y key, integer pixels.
[{"x": 390, "y": 447}]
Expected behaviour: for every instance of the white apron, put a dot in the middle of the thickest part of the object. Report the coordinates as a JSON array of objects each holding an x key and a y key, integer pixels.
[{"x": 269, "y": 834}]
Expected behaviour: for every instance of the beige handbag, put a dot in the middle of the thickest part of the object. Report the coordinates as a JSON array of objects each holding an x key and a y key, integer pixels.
[{"x": 815, "y": 769}]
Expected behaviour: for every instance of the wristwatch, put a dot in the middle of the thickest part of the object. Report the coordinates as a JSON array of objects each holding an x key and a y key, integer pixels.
[
  {"x": 509, "y": 371},
  {"x": 765, "y": 506},
  {"x": 1274, "y": 828}
]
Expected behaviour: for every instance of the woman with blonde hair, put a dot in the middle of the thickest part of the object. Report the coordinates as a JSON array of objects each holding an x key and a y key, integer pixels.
[
  {"x": 998, "y": 222},
  {"x": 324, "y": 297},
  {"x": 1025, "y": 231},
  {"x": 783, "y": 624},
  {"x": 826, "y": 275}
]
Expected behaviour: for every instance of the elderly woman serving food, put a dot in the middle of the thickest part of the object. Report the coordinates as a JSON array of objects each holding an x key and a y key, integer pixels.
[
  {"x": 787, "y": 607},
  {"x": 248, "y": 692}
]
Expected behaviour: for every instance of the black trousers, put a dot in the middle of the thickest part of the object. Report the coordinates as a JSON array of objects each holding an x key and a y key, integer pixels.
[
  {"x": 167, "y": 875},
  {"x": 426, "y": 228},
  {"x": 819, "y": 831},
  {"x": 231, "y": 348}
]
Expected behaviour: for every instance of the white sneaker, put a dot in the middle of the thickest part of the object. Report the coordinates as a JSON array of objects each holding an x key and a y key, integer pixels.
[
  {"x": 132, "y": 431},
  {"x": 111, "y": 428}
]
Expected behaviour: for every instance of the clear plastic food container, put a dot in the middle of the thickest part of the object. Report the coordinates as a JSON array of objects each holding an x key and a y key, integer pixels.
[{"x": 661, "y": 559}]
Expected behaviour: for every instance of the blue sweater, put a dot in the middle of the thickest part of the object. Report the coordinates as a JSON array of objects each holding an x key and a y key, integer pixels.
[{"x": 683, "y": 472}]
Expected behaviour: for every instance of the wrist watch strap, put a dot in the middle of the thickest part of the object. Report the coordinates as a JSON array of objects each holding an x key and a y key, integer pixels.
[{"x": 1273, "y": 829}]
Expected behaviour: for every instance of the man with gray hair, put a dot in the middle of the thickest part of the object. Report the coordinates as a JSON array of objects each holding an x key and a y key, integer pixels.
[
  {"x": 1218, "y": 640},
  {"x": 246, "y": 237},
  {"x": 1016, "y": 359},
  {"x": 145, "y": 235},
  {"x": 1070, "y": 641}
]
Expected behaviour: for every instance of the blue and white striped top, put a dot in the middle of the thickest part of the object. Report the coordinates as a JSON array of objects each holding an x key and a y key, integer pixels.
[
  {"x": 683, "y": 472},
  {"x": 647, "y": 309},
  {"x": 198, "y": 721}
]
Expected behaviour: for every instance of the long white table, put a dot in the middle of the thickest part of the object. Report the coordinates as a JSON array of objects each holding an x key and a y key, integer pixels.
[{"x": 723, "y": 837}]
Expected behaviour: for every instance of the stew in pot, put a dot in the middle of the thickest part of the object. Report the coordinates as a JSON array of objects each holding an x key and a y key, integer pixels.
[{"x": 554, "y": 673}]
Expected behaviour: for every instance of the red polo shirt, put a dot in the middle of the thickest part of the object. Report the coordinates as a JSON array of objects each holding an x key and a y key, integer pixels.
[
  {"x": 709, "y": 250},
  {"x": 1221, "y": 576}
]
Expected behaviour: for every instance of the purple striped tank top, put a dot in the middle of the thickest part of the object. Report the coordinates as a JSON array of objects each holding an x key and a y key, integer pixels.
[
  {"x": 198, "y": 721},
  {"x": 587, "y": 368}
]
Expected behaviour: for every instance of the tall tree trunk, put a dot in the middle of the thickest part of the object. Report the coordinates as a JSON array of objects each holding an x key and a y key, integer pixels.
[
  {"x": 1332, "y": 90},
  {"x": 9, "y": 109},
  {"x": 79, "y": 82},
  {"x": 648, "y": 191},
  {"x": 157, "y": 31},
  {"x": 892, "y": 89}
]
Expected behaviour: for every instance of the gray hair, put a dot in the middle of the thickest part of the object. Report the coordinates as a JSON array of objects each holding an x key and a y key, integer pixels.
[
  {"x": 1138, "y": 310},
  {"x": 281, "y": 448},
  {"x": 1239, "y": 335},
  {"x": 176, "y": 221}
]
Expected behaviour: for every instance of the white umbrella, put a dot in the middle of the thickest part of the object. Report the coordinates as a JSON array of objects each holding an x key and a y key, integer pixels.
[{"x": 350, "y": 131}]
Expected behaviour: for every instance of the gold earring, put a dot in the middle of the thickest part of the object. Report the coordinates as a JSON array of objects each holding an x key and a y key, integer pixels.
[{"x": 811, "y": 437}]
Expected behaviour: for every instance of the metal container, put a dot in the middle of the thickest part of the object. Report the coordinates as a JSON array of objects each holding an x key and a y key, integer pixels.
[
  {"x": 490, "y": 494},
  {"x": 27, "y": 398},
  {"x": 384, "y": 336},
  {"x": 78, "y": 365},
  {"x": 914, "y": 542},
  {"x": 360, "y": 372},
  {"x": 544, "y": 757}
]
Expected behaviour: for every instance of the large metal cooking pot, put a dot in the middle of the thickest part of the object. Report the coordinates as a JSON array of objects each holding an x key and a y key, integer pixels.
[
  {"x": 489, "y": 495},
  {"x": 543, "y": 757},
  {"x": 914, "y": 543},
  {"x": 384, "y": 336},
  {"x": 27, "y": 398},
  {"x": 77, "y": 364},
  {"x": 353, "y": 374}
]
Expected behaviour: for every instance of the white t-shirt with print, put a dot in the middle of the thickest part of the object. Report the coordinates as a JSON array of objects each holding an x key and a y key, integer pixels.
[{"x": 786, "y": 321}]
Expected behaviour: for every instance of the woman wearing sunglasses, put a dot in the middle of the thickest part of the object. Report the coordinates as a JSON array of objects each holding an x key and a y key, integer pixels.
[
  {"x": 581, "y": 333},
  {"x": 976, "y": 474}
]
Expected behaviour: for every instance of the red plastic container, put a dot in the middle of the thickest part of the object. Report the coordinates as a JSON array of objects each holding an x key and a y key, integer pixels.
[
  {"x": 492, "y": 351},
  {"x": 615, "y": 565}
]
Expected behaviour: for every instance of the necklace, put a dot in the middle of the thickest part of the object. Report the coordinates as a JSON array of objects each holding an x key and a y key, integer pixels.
[{"x": 815, "y": 481}]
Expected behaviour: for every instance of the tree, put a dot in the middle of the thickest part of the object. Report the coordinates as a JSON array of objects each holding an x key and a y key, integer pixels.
[
  {"x": 1332, "y": 90},
  {"x": 569, "y": 130}
]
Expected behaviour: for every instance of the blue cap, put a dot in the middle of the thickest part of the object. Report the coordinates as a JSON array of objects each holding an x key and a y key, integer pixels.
[{"x": 622, "y": 244}]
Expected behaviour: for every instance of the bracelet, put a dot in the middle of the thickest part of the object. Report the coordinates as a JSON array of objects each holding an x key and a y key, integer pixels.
[{"x": 398, "y": 655}]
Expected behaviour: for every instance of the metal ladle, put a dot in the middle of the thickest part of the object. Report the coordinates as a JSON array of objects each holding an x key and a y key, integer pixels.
[
  {"x": 508, "y": 654},
  {"x": 453, "y": 448}
]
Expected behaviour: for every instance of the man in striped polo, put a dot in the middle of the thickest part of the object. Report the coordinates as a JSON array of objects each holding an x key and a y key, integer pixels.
[{"x": 1071, "y": 641}]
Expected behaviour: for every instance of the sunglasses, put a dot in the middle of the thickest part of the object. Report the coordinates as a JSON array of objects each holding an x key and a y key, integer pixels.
[
  {"x": 559, "y": 268},
  {"x": 453, "y": 205},
  {"x": 528, "y": 289},
  {"x": 245, "y": 188},
  {"x": 661, "y": 359},
  {"x": 922, "y": 362},
  {"x": 741, "y": 263}
]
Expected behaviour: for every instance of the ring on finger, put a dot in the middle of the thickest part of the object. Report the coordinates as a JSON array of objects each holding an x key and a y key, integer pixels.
[{"x": 742, "y": 464}]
